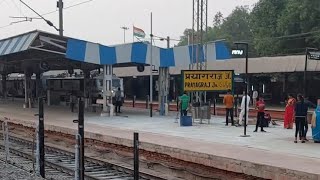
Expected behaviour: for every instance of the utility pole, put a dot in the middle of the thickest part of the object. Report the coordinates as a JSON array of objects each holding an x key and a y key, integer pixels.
[
  {"x": 124, "y": 32},
  {"x": 199, "y": 33},
  {"x": 151, "y": 77},
  {"x": 60, "y": 6}
]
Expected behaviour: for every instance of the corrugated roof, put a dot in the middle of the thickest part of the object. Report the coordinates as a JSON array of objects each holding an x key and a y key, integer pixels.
[
  {"x": 255, "y": 65},
  {"x": 17, "y": 44}
]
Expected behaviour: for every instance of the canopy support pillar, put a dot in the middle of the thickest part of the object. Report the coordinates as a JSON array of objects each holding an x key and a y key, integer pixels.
[
  {"x": 107, "y": 90},
  {"x": 27, "y": 90},
  {"x": 86, "y": 88},
  {"x": 4, "y": 86},
  {"x": 164, "y": 78},
  {"x": 38, "y": 85}
]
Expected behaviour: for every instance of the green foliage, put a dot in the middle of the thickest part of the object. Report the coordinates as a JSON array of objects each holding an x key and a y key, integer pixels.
[{"x": 273, "y": 27}]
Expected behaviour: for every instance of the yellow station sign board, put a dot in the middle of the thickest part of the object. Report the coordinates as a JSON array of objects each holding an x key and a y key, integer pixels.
[{"x": 207, "y": 80}]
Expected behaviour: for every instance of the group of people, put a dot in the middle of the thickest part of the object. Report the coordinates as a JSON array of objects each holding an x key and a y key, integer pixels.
[
  {"x": 296, "y": 111},
  {"x": 228, "y": 101}
]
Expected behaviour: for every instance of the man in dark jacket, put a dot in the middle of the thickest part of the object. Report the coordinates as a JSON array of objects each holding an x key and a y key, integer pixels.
[
  {"x": 118, "y": 99},
  {"x": 301, "y": 112}
]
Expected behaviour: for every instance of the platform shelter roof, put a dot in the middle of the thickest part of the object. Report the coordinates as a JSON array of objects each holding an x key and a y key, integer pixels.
[
  {"x": 26, "y": 51},
  {"x": 29, "y": 49},
  {"x": 140, "y": 53}
]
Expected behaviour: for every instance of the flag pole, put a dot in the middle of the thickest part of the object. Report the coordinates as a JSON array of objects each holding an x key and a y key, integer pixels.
[{"x": 132, "y": 32}]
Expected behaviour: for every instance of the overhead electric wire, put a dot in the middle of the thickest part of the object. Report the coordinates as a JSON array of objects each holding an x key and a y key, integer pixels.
[
  {"x": 1, "y": 27},
  {"x": 74, "y": 5},
  {"x": 80, "y": 3},
  {"x": 47, "y": 21}
]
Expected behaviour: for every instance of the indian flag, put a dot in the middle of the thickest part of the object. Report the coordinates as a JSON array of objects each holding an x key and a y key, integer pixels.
[{"x": 138, "y": 32}]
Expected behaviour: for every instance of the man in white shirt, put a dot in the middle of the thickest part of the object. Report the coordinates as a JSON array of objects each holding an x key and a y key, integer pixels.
[
  {"x": 241, "y": 116},
  {"x": 254, "y": 97}
]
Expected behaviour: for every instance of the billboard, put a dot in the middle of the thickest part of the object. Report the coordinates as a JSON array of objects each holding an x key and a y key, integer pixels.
[{"x": 207, "y": 80}]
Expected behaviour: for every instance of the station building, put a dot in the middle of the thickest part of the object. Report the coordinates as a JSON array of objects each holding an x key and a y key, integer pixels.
[{"x": 273, "y": 77}]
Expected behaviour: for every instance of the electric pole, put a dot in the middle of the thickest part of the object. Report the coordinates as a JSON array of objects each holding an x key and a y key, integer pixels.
[
  {"x": 124, "y": 32},
  {"x": 60, "y": 6}
]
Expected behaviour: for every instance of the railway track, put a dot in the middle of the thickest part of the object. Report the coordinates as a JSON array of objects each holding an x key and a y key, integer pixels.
[{"x": 60, "y": 164}]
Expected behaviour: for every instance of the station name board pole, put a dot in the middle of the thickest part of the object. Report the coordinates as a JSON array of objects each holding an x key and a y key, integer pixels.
[{"x": 240, "y": 52}]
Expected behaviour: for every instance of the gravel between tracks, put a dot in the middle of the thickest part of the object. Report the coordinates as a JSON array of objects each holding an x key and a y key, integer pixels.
[{"x": 9, "y": 172}]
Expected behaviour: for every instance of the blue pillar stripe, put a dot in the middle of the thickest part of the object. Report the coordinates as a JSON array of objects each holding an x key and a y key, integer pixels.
[
  {"x": 16, "y": 44},
  {"x": 139, "y": 52},
  {"x": 222, "y": 52},
  {"x": 201, "y": 55},
  {"x": 192, "y": 53},
  {"x": 167, "y": 57},
  {"x": 193, "y": 58},
  {"x": 76, "y": 49},
  {"x": 107, "y": 55}
]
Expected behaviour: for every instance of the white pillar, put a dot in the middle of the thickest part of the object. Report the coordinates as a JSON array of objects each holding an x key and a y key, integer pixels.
[
  {"x": 27, "y": 100},
  {"x": 48, "y": 97},
  {"x": 107, "y": 88},
  {"x": 86, "y": 90},
  {"x": 105, "y": 109},
  {"x": 163, "y": 89},
  {"x": 25, "y": 91}
]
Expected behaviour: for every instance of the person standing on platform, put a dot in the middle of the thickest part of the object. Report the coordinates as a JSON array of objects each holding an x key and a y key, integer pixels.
[
  {"x": 73, "y": 99},
  {"x": 260, "y": 106},
  {"x": 306, "y": 126},
  {"x": 315, "y": 124},
  {"x": 228, "y": 101},
  {"x": 289, "y": 112},
  {"x": 118, "y": 100},
  {"x": 242, "y": 112},
  {"x": 184, "y": 104},
  {"x": 301, "y": 111},
  {"x": 254, "y": 97}
]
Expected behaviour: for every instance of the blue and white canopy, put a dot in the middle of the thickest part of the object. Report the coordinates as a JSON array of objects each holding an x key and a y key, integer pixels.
[
  {"x": 97, "y": 54},
  {"x": 139, "y": 52},
  {"x": 17, "y": 44}
]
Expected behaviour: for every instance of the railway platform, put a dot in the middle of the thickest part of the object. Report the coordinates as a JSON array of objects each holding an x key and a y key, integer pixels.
[
  {"x": 271, "y": 155},
  {"x": 276, "y": 112}
]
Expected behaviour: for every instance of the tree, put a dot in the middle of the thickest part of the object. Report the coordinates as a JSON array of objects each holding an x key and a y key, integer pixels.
[
  {"x": 233, "y": 28},
  {"x": 218, "y": 19},
  {"x": 273, "y": 27},
  {"x": 185, "y": 38},
  {"x": 302, "y": 18},
  {"x": 236, "y": 27},
  {"x": 264, "y": 18}
]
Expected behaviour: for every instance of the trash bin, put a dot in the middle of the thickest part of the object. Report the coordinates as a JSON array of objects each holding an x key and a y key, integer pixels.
[
  {"x": 195, "y": 111},
  {"x": 185, "y": 121},
  {"x": 206, "y": 111}
]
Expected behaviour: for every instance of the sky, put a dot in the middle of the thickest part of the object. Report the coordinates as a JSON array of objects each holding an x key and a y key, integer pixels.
[{"x": 100, "y": 20}]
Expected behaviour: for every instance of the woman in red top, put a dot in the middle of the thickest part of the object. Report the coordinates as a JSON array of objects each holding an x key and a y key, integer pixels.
[
  {"x": 260, "y": 106},
  {"x": 289, "y": 112}
]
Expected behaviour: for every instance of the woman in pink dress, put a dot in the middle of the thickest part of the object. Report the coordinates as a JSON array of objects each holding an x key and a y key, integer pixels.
[{"x": 289, "y": 113}]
